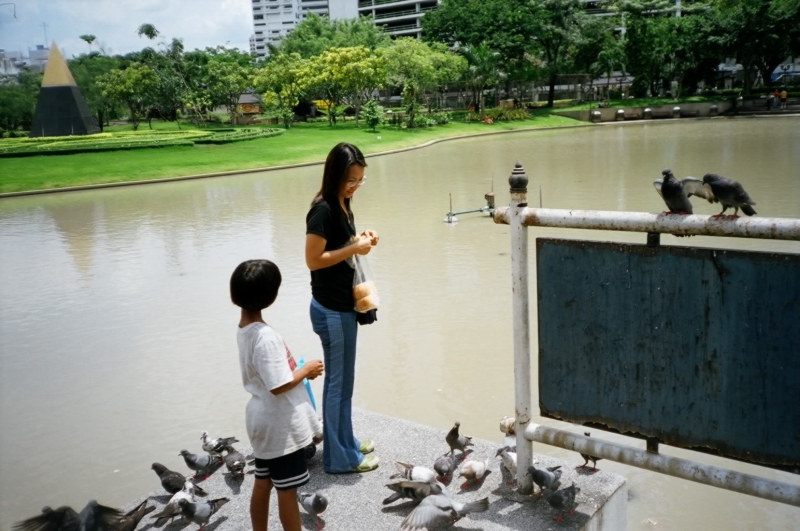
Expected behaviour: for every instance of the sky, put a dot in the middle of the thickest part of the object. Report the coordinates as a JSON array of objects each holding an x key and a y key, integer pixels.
[{"x": 200, "y": 23}]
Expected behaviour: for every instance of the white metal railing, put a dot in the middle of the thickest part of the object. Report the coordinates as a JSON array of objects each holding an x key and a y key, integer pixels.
[{"x": 519, "y": 216}]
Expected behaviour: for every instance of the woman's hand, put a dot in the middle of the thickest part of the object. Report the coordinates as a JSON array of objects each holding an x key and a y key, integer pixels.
[
  {"x": 363, "y": 245},
  {"x": 372, "y": 235}
]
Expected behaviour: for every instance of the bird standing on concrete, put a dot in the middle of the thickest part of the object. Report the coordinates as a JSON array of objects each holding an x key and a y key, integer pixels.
[
  {"x": 676, "y": 193},
  {"x": 203, "y": 465},
  {"x": 730, "y": 193},
  {"x": 173, "y": 508},
  {"x": 93, "y": 517},
  {"x": 473, "y": 470},
  {"x": 234, "y": 461},
  {"x": 413, "y": 490},
  {"x": 457, "y": 441},
  {"x": 201, "y": 512},
  {"x": 545, "y": 479},
  {"x": 441, "y": 509},
  {"x": 591, "y": 458},
  {"x": 413, "y": 472},
  {"x": 509, "y": 460},
  {"x": 216, "y": 446},
  {"x": 314, "y": 504},
  {"x": 131, "y": 519},
  {"x": 173, "y": 481},
  {"x": 564, "y": 500},
  {"x": 445, "y": 466}
]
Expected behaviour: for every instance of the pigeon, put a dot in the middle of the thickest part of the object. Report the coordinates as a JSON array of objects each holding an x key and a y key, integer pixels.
[
  {"x": 132, "y": 518},
  {"x": 507, "y": 425},
  {"x": 216, "y": 446},
  {"x": 173, "y": 481},
  {"x": 203, "y": 465},
  {"x": 676, "y": 193},
  {"x": 509, "y": 459},
  {"x": 545, "y": 479},
  {"x": 730, "y": 193},
  {"x": 173, "y": 509},
  {"x": 473, "y": 470},
  {"x": 445, "y": 466},
  {"x": 93, "y": 517},
  {"x": 441, "y": 509},
  {"x": 201, "y": 512},
  {"x": 564, "y": 500},
  {"x": 314, "y": 504},
  {"x": 591, "y": 458},
  {"x": 413, "y": 490},
  {"x": 456, "y": 441},
  {"x": 413, "y": 473},
  {"x": 234, "y": 461}
]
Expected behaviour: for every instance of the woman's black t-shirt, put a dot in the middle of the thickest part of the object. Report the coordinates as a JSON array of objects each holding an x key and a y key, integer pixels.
[{"x": 332, "y": 286}]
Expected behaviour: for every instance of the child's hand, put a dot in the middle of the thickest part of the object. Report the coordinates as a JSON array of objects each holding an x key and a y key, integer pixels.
[{"x": 314, "y": 368}]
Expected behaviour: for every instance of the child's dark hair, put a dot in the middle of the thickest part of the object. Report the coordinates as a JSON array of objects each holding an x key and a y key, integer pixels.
[{"x": 254, "y": 284}]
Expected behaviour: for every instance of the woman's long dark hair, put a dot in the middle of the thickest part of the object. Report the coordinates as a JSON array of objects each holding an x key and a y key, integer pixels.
[{"x": 339, "y": 160}]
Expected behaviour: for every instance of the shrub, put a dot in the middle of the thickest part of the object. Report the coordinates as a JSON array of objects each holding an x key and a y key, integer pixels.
[
  {"x": 238, "y": 135},
  {"x": 372, "y": 114},
  {"x": 421, "y": 120},
  {"x": 441, "y": 118}
]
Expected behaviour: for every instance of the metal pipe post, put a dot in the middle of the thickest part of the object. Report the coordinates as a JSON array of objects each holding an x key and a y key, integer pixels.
[
  {"x": 522, "y": 334},
  {"x": 673, "y": 466}
]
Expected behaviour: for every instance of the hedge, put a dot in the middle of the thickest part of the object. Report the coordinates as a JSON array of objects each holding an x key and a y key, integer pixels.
[{"x": 18, "y": 147}]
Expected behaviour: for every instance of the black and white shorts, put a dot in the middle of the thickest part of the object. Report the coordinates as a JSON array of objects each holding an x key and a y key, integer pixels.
[{"x": 286, "y": 472}]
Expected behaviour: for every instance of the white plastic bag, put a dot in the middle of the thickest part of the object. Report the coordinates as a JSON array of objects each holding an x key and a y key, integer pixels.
[{"x": 365, "y": 293}]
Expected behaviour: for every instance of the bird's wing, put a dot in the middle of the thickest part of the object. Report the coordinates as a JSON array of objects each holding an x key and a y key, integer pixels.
[
  {"x": 657, "y": 184},
  {"x": 104, "y": 518},
  {"x": 740, "y": 195},
  {"x": 433, "y": 510},
  {"x": 62, "y": 519},
  {"x": 697, "y": 187},
  {"x": 218, "y": 503}
]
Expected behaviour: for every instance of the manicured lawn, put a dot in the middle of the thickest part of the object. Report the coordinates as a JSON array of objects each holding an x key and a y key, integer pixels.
[{"x": 302, "y": 143}]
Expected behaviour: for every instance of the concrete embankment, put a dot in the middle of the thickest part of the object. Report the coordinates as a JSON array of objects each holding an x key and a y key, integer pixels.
[{"x": 355, "y": 499}]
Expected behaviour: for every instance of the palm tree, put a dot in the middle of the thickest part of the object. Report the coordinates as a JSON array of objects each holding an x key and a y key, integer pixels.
[
  {"x": 484, "y": 70},
  {"x": 148, "y": 30},
  {"x": 89, "y": 40}
]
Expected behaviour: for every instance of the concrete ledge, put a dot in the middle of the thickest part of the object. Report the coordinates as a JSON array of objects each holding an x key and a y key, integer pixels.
[{"x": 355, "y": 499}]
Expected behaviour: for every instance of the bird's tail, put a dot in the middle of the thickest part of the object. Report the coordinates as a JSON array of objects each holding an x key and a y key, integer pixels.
[
  {"x": 747, "y": 209},
  {"x": 392, "y": 498},
  {"x": 476, "y": 506},
  {"x": 161, "y": 521}
]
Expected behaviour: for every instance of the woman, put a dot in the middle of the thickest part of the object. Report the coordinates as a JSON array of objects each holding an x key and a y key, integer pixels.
[{"x": 331, "y": 239}]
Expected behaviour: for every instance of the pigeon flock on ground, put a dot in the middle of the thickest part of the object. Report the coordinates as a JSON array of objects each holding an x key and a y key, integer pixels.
[
  {"x": 435, "y": 506},
  {"x": 713, "y": 188}
]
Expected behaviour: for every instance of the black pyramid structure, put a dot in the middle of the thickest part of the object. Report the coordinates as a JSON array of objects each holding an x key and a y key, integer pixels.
[{"x": 61, "y": 110}]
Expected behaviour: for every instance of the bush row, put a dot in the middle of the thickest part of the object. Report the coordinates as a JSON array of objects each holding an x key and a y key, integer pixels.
[
  {"x": 127, "y": 141},
  {"x": 499, "y": 115}
]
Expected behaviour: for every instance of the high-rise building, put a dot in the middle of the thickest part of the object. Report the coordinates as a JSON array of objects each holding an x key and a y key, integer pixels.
[{"x": 274, "y": 19}]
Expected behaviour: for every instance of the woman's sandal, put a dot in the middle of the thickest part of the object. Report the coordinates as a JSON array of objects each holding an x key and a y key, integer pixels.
[
  {"x": 366, "y": 447},
  {"x": 370, "y": 462}
]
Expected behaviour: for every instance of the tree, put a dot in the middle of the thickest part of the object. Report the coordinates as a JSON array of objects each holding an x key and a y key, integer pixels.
[
  {"x": 317, "y": 34},
  {"x": 372, "y": 114},
  {"x": 283, "y": 80},
  {"x": 87, "y": 70},
  {"x": 410, "y": 66},
  {"x": 349, "y": 75},
  {"x": 483, "y": 71},
  {"x": 18, "y": 95},
  {"x": 89, "y": 40},
  {"x": 228, "y": 78},
  {"x": 448, "y": 70},
  {"x": 133, "y": 87},
  {"x": 147, "y": 30}
]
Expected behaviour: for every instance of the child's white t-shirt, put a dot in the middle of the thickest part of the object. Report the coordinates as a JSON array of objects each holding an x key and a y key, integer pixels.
[{"x": 277, "y": 425}]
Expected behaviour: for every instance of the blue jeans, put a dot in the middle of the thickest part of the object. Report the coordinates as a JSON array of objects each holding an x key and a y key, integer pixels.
[{"x": 338, "y": 332}]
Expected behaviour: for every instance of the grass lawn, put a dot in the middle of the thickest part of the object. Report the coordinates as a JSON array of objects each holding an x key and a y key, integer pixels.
[{"x": 305, "y": 142}]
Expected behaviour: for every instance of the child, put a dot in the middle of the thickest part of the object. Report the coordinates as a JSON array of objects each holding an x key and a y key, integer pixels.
[{"x": 280, "y": 419}]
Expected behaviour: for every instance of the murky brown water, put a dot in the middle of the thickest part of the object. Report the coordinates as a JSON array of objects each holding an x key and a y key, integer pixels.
[{"x": 117, "y": 338}]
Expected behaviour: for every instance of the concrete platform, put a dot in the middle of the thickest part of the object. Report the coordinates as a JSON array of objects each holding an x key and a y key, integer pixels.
[{"x": 355, "y": 499}]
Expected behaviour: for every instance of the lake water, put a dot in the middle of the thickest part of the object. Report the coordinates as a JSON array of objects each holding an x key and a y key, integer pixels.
[{"x": 118, "y": 339}]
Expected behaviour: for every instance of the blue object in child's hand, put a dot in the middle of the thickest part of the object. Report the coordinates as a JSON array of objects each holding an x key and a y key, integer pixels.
[{"x": 300, "y": 363}]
